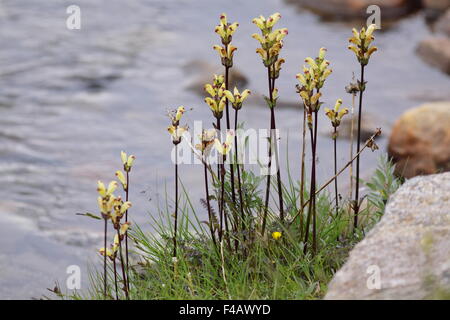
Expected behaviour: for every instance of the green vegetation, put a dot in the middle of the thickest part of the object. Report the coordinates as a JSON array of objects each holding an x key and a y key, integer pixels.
[{"x": 247, "y": 249}]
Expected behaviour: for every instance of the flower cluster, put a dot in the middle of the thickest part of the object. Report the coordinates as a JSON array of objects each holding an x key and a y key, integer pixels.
[
  {"x": 217, "y": 92},
  {"x": 236, "y": 98},
  {"x": 360, "y": 44},
  {"x": 106, "y": 198},
  {"x": 225, "y": 30},
  {"x": 175, "y": 130},
  {"x": 271, "y": 42},
  {"x": 312, "y": 80},
  {"x": 336, "y": 114},
  {"x": 112, "y": 207}
]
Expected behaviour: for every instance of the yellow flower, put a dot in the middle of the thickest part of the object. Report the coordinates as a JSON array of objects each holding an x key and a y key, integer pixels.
[
  {"x": 271, "y": 40},
  {"x": 226, "y": 54},
  {"x": 179, "y": 113},
  {"x": 101, "y": 188},
  {"x": 224, "y": 148},
  {"x": 276, "y": 235},
  {"x": 216, "y": 106},
  {"x": 127, "y": 161},
  {"x": 236, "y": 98},
  {"x": 360, "y": 44},
  {"x": 123, "y": 157},
  {"x": 125, "y": 206},
  {"x": 266, "y": 25},
  {"x": 336, "y": 114},
  {"x": 176, "y": 133},
  {"x": 121, "y": 177},
  {"x": 273, "y": 19},
  {"x": 124, "y": 228},
  {"x": 109, "y": 252},
  {"x": 104, "y": 192},
  {"x": 225, "y": 30}
]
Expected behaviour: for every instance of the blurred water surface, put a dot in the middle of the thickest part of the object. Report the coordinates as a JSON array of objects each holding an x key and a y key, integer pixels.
[{"x": 70, "y": 101}]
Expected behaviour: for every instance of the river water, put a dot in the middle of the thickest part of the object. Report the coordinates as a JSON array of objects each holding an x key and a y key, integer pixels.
[{"x": 71, "y": 100}]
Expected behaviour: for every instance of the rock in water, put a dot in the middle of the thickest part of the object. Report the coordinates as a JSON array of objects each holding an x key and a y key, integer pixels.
[
  {"x": 344, "y": 9},
  {"x": 407, "y": 254},
  {"x": 435, "y": 50},
  {"x": 420, "y": 140}
]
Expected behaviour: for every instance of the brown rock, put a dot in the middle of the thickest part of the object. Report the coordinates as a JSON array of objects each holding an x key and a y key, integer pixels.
[
  {"x": 344, "y": 9},
  {"x": 435, "y": 50},
  {"x": 420, "y": 140}
]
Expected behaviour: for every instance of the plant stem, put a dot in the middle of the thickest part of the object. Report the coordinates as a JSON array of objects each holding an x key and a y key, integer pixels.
[
  {"x": 314, "y": 181},
  {"x": 126, "y": 233},
  {"x": 356, "y": 202},
  {"x": 241, "y": 201},
  {"x": 233, "y": 193},
  {"x": 124, "y": 276},
  {"x": 104, "y": 259},
  {"x": 335, "y": 171},
  {"x": 272, "y": 140},
  {"x": 223, "y": 214},
  {"x": 269, "y": 165},
  {"x": 211, "y": 227},
  {"x": 351, "y": 146},
  {"x": 176, "y": 204},
  {"x": 378, "y": 132},
  {"x": 115, "y": 278},
  {"x": 312, "y": 193},
  {"x": 302, "y": 178}
]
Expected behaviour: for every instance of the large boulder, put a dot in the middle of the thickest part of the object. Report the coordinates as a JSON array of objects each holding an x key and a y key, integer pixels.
[
  {"x": 420, "y": 140},
  {"x": 407, "y": 254},
  {"x": 435, "y": 50},
  {"x": 343, "y": 9}
]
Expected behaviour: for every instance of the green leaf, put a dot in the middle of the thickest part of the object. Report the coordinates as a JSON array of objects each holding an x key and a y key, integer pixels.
[{"x": 90, "y": 215}]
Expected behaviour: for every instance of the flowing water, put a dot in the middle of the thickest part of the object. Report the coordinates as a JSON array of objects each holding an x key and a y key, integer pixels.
[{"x": 71, "y": 100}]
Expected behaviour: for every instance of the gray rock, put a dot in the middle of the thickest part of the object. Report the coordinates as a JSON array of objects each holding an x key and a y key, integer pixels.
[
  {"x": 435, "y": 50},
  {"x": 409, "y": 246}
]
